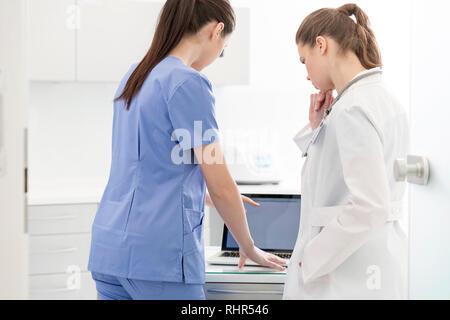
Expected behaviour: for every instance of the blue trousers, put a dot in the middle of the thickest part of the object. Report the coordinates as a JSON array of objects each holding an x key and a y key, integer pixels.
[{"x": 115, "y": 288}]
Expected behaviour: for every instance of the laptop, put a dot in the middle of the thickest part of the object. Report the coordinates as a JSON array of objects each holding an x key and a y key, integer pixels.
[{"x": 273, "y": 225}]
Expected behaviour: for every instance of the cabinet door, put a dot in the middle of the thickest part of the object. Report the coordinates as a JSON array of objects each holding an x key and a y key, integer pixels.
[
  {"x": 243, "y": 291},
  {"x": 58, "y": 253},
  {"x": 61, "y": 219},
  {"x": 51, "y": 39},
  {"x": 63, "y": 287},
  {"x": 233, "y": 67},
  {"x": 113, "y": 35}
]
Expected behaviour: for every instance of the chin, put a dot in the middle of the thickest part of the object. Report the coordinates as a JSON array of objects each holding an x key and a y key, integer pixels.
[{"x": 326, "y": 88}]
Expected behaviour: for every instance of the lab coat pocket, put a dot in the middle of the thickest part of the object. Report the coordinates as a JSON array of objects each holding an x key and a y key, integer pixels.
[{"x": 322, "y": 216}]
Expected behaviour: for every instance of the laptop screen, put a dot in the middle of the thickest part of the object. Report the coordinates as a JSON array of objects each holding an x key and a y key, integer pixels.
[{"x": 273, "y": 225}]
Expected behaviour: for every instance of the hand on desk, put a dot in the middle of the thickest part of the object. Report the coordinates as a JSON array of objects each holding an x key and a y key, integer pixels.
[
  {"x": 262, "y": 258},
  {"x": 255, "y": 254}
]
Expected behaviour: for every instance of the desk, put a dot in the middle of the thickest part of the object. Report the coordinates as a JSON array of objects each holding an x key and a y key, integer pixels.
[{"x": 253, "y": 283}]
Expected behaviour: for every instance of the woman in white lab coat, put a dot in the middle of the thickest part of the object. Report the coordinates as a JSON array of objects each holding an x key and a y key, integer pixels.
[{"x": 350, "y": 244}]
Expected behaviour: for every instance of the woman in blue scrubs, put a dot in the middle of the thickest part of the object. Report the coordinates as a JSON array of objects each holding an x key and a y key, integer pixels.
[{"x": 147, "y": 237}]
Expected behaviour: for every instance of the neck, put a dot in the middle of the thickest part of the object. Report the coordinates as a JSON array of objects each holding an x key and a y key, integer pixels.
[
  {"x": 187, "y": 51},
  {"x": 344, "y": 69}
]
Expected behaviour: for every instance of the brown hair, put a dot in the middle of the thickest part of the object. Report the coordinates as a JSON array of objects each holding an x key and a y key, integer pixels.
[
  {"x": 337, "y": 24},
  {"x": 177, "y": 18}
]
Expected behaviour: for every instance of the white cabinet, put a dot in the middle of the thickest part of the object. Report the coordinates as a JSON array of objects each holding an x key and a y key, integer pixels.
[
  {"x": 57, "y": 219},
  {"x": 244, "y": 291},
  {"x": 59, "y": 243},
  {"x": 233, "y": 67},
  {"x": 59, "y": 253},
  {"x": 113, "y": 35},
  {"x": 62, "y": 287},
  {"x": 51, "y": 39},
  {"x": 75, "y": 40}
]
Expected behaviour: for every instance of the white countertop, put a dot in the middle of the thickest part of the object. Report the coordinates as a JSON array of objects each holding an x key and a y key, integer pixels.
[
  {"x": 249, "y": 274},
  {"x": 62, "y": 195},
  {"x": 91, "y": 192}
]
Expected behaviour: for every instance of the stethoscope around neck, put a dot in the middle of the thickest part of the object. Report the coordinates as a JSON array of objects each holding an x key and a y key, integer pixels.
[
  {"x": 328, "y": 111},
  {"x": 350, "y": 84}
]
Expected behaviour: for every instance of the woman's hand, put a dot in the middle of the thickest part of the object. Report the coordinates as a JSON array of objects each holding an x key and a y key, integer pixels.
[
  {"x": 320, "y": 102},
  {"x": 262, "y": 258},
  {"x": 210, "y": 203}
]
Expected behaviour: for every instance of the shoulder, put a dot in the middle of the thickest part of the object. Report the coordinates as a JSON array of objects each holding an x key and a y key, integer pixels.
[
  {"x": 188, "y": 79},
  {"x": 373, "y": 97}
]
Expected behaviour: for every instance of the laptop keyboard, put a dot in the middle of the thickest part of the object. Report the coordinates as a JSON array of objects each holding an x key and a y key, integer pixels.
[{"x": 235, "y": 254}]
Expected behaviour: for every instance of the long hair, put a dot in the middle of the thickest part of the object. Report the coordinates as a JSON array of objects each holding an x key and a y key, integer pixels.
[
  {"x": 177, "y": 18},
  {"x": 337, "y": 24}
]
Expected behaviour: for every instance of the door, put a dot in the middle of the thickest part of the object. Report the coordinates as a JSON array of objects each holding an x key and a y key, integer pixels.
[
  {"x": 13, "y": 92},
  {"x": 429, "y": 274}
]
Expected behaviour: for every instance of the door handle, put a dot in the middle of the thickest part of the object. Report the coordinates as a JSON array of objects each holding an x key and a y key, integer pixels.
[{"x": 414, "y": 169}]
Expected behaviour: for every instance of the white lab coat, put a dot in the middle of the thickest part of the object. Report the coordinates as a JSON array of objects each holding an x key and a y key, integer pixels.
[{"x": 350, "y": 242}]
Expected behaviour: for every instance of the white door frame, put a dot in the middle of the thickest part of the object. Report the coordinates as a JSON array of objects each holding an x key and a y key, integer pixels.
[{"x": 13, "y": 118}]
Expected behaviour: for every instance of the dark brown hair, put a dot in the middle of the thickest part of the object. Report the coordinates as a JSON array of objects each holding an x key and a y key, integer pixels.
[
  {"x": 177, "y": 18},
  {"x": 337, "y": 24}
]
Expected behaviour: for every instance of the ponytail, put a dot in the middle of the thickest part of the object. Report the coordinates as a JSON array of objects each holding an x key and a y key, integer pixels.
[
  {"x": 177, "y": 18},
  {"x": 350, "y": 35}
]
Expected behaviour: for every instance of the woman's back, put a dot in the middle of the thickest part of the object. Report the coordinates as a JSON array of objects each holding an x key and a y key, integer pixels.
[{"x": 147, "y": 208}]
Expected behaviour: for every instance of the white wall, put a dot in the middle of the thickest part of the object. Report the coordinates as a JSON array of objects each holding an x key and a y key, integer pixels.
[{"x": 70, "y": 134}]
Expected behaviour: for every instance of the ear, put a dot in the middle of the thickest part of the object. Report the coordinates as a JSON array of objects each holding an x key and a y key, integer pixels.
[
  {"x": 217, "y": 30},
  {"x": 322, "y": 44}
]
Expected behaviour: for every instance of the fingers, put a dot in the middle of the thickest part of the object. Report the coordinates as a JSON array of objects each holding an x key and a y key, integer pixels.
[
  {"x": 250, "y": 201},
  {"x": 277, "y": 259},
  {"x": 241, "y": 263},
  {"x": 327, "y": 103},
  {"x": 275, "y": 266},
  {"x": 320, "y": 98},
  {"x": 275, "y": 262}
]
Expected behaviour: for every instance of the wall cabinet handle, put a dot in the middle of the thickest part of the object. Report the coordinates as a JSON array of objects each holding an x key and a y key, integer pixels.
[
  {"x": 53, "y": 218},
  {"x": 65, "y": 250},
  {"x": 53, "y": 290}
]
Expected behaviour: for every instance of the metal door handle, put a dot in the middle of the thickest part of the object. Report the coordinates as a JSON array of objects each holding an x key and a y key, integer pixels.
[{"x": 414, "y": 169}]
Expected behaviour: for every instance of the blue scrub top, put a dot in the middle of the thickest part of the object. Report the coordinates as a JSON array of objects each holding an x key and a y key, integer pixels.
[{"x": 149, "y": 222}]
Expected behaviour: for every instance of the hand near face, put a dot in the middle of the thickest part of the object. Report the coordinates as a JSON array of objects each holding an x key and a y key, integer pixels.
[{"x": 320, "y": 102}]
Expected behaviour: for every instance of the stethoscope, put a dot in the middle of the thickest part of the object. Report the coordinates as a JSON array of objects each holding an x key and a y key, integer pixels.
[{"x": 328, "y": 111}]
